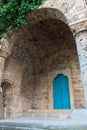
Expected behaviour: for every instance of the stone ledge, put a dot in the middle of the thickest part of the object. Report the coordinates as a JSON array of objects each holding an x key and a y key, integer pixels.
[
  {"x": 79, "y": 114},
  {"x": 60, "y": 114}
]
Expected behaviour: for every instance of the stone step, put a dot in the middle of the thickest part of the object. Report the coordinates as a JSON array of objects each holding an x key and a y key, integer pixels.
[
  {"x": 48, "y": 113},
  {"x": 59, "y": 114}
]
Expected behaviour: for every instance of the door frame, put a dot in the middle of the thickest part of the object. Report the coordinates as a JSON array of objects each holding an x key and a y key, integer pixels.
[{"x": 51, "y": 77}]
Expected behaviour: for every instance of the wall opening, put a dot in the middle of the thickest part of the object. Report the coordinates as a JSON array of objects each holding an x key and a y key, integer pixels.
[
  {"x": 7, "y": 97},
  {"x": 47, "y": 47},
  {"x": 61, "y": 92}
]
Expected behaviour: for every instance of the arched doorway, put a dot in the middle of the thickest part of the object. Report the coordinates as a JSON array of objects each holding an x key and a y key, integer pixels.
[
  {"x": 7, "y": 97},
  {"x": 61, "y": 92},
  {"x": 47, "y": 46}
]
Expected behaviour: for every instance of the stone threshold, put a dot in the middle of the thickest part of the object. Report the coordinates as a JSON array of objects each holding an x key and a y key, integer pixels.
[{"x": 48, "y": 113}]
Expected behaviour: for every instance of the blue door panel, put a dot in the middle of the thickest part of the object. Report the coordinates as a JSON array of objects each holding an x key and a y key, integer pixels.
[
  {"x": 57, "y": 94},
  {"x": 61, "y": 92}
]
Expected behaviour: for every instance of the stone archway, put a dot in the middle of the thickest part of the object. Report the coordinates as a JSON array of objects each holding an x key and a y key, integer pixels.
[
  {"x": 7, "y": 98},
  {"x": 36, "y": 16},
  {"x": 41, "y": 49}
]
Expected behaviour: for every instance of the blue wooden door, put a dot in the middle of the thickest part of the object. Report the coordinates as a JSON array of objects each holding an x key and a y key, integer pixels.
[{"x": 61, "y": 92}]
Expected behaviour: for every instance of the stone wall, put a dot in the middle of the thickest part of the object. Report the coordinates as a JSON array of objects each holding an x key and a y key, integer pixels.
[
  {"x": 1, "y": 104},
  {"x": 13, "y": 74},
  {"x": 47, "y": 46},
  {"x": 74, "y": 11},
  {"x": 79, "y": 101}
]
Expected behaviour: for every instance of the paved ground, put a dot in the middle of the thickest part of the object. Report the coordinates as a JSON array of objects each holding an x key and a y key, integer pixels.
[{"x": 42, "y": 124}]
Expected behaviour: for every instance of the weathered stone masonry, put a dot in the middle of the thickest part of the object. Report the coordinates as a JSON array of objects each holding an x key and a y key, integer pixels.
[
  {"x": 4, "y": 52},
  {"x": 51, "y": 44}
]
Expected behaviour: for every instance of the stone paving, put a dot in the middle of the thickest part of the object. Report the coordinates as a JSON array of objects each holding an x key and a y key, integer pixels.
[{"x": 34, "y": 123}]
